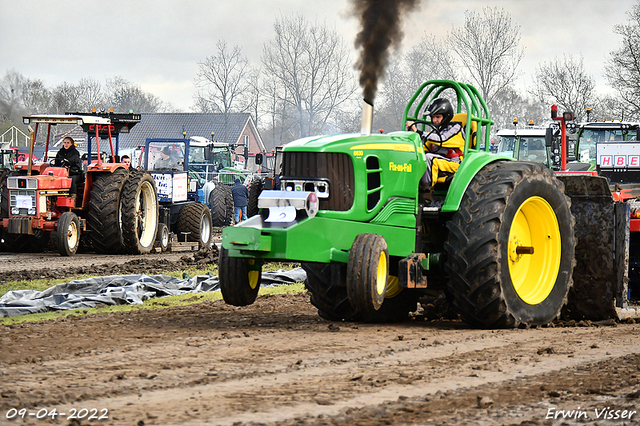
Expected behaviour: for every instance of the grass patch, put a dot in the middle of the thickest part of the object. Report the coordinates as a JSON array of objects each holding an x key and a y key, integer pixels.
[{"x": 154, "y": 303}]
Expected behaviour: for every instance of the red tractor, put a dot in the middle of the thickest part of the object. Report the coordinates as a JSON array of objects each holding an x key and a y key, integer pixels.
[{"x": 114, "y": 211}]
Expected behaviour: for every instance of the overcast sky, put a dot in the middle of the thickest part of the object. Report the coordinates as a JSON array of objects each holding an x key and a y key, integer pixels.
[{"x": 157, "y": 44}]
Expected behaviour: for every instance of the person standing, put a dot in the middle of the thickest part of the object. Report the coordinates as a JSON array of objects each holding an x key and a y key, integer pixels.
[
  {"x": 69, "y": 157},
  {"x": 240, "y": 200},
  {"x": 276, "y": 185}
]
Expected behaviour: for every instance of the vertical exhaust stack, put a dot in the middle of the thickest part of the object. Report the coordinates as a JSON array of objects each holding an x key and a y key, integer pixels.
[{"x": 367, "y": 117}]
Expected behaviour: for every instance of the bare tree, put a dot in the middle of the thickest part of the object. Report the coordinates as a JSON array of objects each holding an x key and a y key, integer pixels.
[
  {"x": 65, "y": 97},
  {"x": 565, "y": 83},
  {"x": 124, "y": 96},
  {"x": 429, "y": 60},
  {"x": 313, "y": 69},
  {"x": 223, "y": 82},
  {"x": 36, "y": 97},
  {"x": 623, "y": 68},
  {"x": 90, "y": 94},
  {"x": 277, "y": 110},
  {"x": 487, "y": 47},
  {"x": 510, "y": 104},
  {"x": 11, "y": 91},
  {"x": 394, "y": 93}
]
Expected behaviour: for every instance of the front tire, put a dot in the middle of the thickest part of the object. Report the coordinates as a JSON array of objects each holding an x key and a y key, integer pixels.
[
  {"x": 511, "y": 247},
  {"x": 162, "y": 237},
  {"x": 368, "y": 274},
  {"x": 68, "y": 234},
  {"x": 239, "y": 279},
  {"x": 195, "y": 220}
]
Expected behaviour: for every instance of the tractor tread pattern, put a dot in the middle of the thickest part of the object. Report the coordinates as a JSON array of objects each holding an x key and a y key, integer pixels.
[
  {"x": 255, "y": 189},
  {"x": 473, "y": 246},
  {"x": 221, "y": 200},
  {"x": 104, "y": 212},
  {"x": 190, "y": 220}
]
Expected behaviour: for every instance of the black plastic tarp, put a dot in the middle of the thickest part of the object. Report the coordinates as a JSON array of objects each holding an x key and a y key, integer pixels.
[{"x": 121, "y": 290}]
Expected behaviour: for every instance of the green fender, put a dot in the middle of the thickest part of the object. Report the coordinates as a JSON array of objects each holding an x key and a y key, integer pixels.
[{"x": 473, "y": 162}]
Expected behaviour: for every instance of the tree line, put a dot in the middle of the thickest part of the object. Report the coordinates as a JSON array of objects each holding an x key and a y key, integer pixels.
[{"x": 306, "y": 84}]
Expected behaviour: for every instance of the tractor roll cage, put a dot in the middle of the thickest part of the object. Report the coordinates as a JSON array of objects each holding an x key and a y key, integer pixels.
[{"x": 466, "y": 95}]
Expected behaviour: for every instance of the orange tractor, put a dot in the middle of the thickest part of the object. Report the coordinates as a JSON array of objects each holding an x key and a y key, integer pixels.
[{"x": 114, "y": 211}]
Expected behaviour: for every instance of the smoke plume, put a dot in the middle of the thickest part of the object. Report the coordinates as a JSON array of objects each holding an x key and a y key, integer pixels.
[{"x": 380, "y": 20}]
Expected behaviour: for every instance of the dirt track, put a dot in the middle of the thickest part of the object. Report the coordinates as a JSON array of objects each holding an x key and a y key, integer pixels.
[{"x": 277, "y": 362}]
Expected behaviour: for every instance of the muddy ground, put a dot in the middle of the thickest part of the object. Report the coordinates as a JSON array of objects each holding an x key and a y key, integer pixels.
[{"x": 277, "y": 362}]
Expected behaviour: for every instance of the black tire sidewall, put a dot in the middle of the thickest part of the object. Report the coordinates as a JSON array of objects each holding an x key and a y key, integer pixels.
[{"x": 233, "y": 275}]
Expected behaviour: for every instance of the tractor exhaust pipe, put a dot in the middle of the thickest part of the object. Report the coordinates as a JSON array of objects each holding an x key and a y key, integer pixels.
[{"x": 367, "y": 118}]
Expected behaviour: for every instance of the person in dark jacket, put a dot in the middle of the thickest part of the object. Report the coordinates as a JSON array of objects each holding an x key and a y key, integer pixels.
[
  {"x": 69, "y": 157},
  {"x": 276, "y": 185},
  {"x": 240, "y": 200}
]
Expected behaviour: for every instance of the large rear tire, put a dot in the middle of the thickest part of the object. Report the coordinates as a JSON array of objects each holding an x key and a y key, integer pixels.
[
  {"x": 195, "y": 219},
  {"x": 139, "y": 207},
  {"x": 104, "y": 212},
  {"x": 221, "y": 201},
  {"x": 239, "y": 279},
  {"x": 68, "y": 234},
  {"x": 511, "y": 247}
]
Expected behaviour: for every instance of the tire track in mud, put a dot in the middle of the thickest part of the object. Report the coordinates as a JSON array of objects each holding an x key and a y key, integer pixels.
[{"x": 253, "y": 370}]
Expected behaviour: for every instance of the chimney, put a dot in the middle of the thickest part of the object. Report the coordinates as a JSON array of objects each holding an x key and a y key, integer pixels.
[{"x": 367, "y": 118}]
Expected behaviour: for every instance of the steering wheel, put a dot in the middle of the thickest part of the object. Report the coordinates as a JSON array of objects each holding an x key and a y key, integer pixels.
[{"x": 428, "y": 123}]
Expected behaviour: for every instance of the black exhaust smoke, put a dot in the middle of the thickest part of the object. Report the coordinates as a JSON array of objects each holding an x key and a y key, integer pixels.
[{"x": 380, "y": 20}]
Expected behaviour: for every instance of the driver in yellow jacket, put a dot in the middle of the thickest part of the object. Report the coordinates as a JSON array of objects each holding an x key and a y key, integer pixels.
[{"x": 443, "y": 144}]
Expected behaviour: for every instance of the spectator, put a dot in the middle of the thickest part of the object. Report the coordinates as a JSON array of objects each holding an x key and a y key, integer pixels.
[
  {"x": 276, "y": 184},
  {"x": 240, "y": 200},
  {"x": 126, "y": 160}
]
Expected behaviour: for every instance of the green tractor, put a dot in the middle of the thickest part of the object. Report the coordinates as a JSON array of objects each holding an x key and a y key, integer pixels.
[{"x": 497, "y": 240}]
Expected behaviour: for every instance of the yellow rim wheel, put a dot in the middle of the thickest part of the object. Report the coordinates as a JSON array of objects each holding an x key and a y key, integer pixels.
[
  {"x": 253, "y": 276},
  {"x": 393, "y": 289},
  {"x": 381, "y": 279},
  {"x": 535, "y": 248}
]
